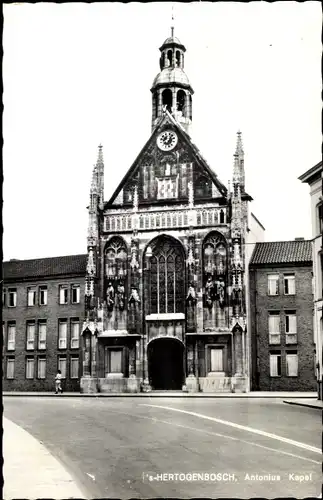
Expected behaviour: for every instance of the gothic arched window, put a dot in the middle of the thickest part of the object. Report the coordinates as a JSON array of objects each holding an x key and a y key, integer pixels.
[
  {"x": 166, "y": 270},
  {"x": 214, "y": 256},
  {"x": 116, "y": 259}
]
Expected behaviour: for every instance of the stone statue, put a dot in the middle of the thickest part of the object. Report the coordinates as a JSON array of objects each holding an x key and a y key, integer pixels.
[
  {"x": 110, "y": 297},
  {"x": 134, "y": 296},
  {"x": 120, "y": 295},
  {"x": 191, "y": 295},
  {"x": 209, "y": 292},
  {"x": 221, "y": 292}
]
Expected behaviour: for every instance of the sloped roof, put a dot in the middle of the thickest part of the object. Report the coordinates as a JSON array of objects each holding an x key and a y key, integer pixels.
[
  {"x": 312, "y": 173},
  {"x": 168, "y": 118},
  {"x": 41, "y": 268},
  {"x": 282, "y": 252}
]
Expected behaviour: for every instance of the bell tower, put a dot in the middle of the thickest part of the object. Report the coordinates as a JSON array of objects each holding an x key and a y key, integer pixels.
[{"x": 171, "y": 88}]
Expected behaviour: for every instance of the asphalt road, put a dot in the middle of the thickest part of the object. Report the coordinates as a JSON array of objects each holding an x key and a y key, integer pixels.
[{"x": 145, "y": 448}]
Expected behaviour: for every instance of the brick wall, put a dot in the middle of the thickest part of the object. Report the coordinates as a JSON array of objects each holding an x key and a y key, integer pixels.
[
  {"x": 261, "y": 303},
  {"x": 51, "y": 312}
]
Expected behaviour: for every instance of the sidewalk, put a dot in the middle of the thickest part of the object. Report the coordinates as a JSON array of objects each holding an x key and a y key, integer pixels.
[
  {"x": 30, "y": 471},
  {"x": 169, "y": 394},
  {"x": 310, "y": 403}
]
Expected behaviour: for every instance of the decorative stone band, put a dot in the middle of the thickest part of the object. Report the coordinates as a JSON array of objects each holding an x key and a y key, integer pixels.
[{"x": 164, "y": 219}]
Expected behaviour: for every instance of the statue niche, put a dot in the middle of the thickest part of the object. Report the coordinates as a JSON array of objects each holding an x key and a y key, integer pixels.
[
  {"x": 133, "y": 309},
  {"x": 190, "y": 309},
  {"x": 215, "y": 282},
  {"x": 115, "y": 284}
]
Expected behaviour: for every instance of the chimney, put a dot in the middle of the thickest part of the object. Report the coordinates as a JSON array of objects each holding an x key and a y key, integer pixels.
[{"x": 300, "y": 238}]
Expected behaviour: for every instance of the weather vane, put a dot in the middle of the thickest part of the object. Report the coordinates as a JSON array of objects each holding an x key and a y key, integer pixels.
[{"x": 172, "y": 26}]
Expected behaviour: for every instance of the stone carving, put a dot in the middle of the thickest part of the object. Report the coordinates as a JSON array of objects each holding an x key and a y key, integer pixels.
[
  {"x": 134, "y": 296},
  {"x": 121, "y": 296},
  {"x": 134, "y": 264},
  {"x": 191, "y": 295},
  {"x": 210, "y": 289},
  {"x": 110, "y": 297}
]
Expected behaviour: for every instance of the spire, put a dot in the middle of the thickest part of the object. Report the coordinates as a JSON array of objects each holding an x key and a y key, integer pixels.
[
  {"x": 238, "y": 168},
  {"x": 100, "y": 176}
]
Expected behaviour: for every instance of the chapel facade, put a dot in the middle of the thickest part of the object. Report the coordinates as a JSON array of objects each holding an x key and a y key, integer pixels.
[{"x": 165, "y": 292}]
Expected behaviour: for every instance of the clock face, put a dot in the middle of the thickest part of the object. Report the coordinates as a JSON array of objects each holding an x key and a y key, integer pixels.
[{"x": 167, "y": 140}]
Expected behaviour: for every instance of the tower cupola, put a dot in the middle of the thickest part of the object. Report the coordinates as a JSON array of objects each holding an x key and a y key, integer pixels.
[{"x": 171, "y": 88}]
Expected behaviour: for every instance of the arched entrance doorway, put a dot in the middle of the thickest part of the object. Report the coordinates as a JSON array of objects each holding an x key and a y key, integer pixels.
[{"x": 166, "y": 364}]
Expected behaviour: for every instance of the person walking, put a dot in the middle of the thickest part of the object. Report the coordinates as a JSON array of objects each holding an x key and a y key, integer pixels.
[{"x": 58, "y": 382}]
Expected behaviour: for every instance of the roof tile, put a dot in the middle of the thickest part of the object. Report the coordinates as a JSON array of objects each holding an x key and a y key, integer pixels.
[
  {"x": 282, "y": 252},
  {"x": 40, "y": 268}
]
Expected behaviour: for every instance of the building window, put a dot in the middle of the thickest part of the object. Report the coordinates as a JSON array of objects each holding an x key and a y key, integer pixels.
[
  {"x": 290, "y": 327},
  {"x": 274, "y": 327},
  {"x": 41, "y": 368},
  {"x": 62, "y": 365},
  {"x": 11, "y": 337},
  {"x": 275, "y": 364},
  {"x": 74, "y": 367},
  {"x": 10, "y": 368},
  {"x": 292, "y": 364},
  {"x": 30, "y": 335},
  {"x": 31, "y": 296},
  {"x": 273, "y": 284},
  {"x": 62, "y": 334},
  {"x": 165, "y": 277},
  {"x": 75, "y": 294},
  {"x": 43, "y": 295},
  {"x": 216, "y": 359},
  {"x": 3, "y": 297},
  {"x": 289, "y": 284},
  {"x": 30, "y": 367},
  {"x": 115, "y": 360},
  {"x": 42, "y": 331},
  {"x": 75, "y": 334},
  {"x": 12, "y": 292},
  {"x": 63, "y": 294}
]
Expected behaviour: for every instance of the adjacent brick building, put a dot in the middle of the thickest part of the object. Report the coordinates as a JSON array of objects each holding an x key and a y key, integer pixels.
[
  {"x": 281, "y": 306},
  {"x": 42, "y": 313}
]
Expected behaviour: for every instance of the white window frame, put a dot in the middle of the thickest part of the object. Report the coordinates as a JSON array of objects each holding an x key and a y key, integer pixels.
[
  {"x": 62, "y": 340},
  {"x": 289, "y": 283},
  {"x": 270, "y": 279},
  {"x": 74, "y": 359},
  {"x": 11, "y": 364},
  {"x": 290, "y": 356},
  {"x": 30, "y": 339},
  {"x": 75, "y": 288},
  {"x": 75, "y": 340},
  {"x": 63, "y": 294},
  {"x": 43, "y": 295},
  {"x": 31, "y": 296},
  {"x": 12, "y": 292},
  {"x": 11, "y": 342},
  {"x": 273, "y": 366},
  {"x": 274, "y": 328},
  {"x": 42, "y": 334},
  {"x": 30, "y": 362},
  {"x": 62, "y": 365},
  {"x": 290, "y": 327},
  {"x": 40, "y": 362}
]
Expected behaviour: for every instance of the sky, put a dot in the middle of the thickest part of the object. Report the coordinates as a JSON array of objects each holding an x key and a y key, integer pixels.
[{"x": 76, "y": 75}]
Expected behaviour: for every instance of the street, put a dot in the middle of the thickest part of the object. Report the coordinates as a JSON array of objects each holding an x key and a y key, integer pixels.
[{"x": 178, "y": 447}]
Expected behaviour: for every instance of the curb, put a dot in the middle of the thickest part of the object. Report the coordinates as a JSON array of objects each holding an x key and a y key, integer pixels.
[
  {"x": 30, "y": 470},
  {"x": 306, "y": 405},
  {"x": 161, "y": 395}
]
